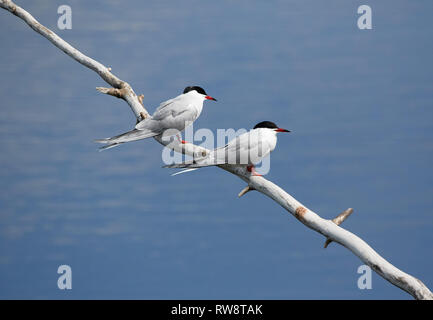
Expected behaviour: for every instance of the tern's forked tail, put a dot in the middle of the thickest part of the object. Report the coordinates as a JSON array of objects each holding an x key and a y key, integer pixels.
[
  {"x": 188, "y": 166},
  {"x": 132, "y": 135}
]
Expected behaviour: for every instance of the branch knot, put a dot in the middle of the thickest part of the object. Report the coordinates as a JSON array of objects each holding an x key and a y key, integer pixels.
[{"x": 339, "y": 220}]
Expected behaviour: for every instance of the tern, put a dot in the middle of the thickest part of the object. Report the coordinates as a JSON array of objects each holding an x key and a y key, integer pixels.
[
  {"x": 176, "y": 113},
  {"x": 247, "y": 150}
]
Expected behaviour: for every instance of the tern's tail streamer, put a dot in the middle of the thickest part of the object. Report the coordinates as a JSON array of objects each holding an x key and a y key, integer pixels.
[{"x": 132, "y": 135}]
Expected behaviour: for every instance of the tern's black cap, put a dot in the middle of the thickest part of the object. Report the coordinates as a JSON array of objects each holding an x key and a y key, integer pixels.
[
  {"x": 196, "y": 88},
  {"x": 266, "y": 124}
]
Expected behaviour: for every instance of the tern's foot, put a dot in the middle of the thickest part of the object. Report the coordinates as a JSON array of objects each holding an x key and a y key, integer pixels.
[
  {"x": 179, "y": 138},
  {"x": 253, "y": 171}
]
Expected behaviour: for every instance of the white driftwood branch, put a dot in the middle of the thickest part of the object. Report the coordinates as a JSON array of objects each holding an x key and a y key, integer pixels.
[
  {"x": 245, "y": 191},
  {"x": 328, "y": 228},
  {"x": 126, "y": 91},
  {"x": 339, "y": 220}
]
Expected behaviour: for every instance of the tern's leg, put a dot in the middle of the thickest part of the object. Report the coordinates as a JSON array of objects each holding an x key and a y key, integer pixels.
[
  {"x": 253, "y": 171},
  {"x": 179, "y": 137}
]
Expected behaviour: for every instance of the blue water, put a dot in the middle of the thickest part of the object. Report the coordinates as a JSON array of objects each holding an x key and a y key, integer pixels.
[{"x": 358, "y": 102}]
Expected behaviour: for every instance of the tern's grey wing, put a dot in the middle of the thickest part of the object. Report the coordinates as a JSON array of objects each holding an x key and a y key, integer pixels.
[
  {"x": 164, "y": 105},
  {"x": 248, "y": 148},
  {"x": 173, "y": 109},
  {"x": 159, "y": 112},
  {"x": 173, "y": 114},
  {"x": 176, "y": 116},
  {"x": 217, "y": 156}
]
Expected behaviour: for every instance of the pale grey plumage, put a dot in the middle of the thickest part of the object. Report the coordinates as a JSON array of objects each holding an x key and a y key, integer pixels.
[
  {"x": 247, "y": 149},
  {"x": 176, "y": 113}
]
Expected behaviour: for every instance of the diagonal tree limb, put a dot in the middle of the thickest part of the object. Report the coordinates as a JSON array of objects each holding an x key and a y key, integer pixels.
[
  {"x": 339, "y": 220},
  {"x": 127, "y": 93},
  {"x": 329, "y": 228}
]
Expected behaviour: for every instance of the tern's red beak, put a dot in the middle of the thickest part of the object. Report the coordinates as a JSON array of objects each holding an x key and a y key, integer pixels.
[
  {"x": 210, "y": 98},
  {"x": 281, "y": 130}
]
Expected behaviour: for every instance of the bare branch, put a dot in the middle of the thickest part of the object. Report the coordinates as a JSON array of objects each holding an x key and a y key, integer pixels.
[
  {"x": 339, "y": 220},
  {"x": 329, "y": 228},
  {"x": 86, "y": 61},
  {"x": 245, "y": 190},
  {"x": 342, "y": 216},
  {"x": 118, "y": 93}
]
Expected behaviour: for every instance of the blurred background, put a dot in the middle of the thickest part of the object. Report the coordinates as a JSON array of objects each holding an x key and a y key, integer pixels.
[{"x": 358, "y": 102}]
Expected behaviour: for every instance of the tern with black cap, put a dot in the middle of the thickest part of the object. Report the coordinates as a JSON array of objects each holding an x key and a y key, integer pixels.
[
  {"x": 247, "y": 150},
  {"x": 176, "y": 113}
]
